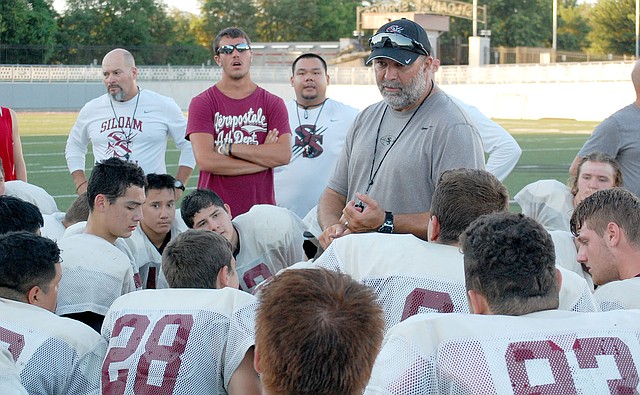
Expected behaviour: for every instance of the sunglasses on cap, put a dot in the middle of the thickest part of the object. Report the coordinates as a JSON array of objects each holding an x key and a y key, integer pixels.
[
  {"x": 396, "y": 40},
  {"x": 228, "y": 49}
]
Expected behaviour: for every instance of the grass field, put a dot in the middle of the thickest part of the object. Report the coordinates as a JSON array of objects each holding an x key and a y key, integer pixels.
[{"x": 548, "y": 146}]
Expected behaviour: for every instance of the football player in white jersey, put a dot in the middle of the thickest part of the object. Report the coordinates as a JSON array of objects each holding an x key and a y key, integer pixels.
[
  {"x": 53, "y": 355},
  {"x": 265, "y": 239},
  {"x": 9, "y": 377},
  {"x": 317, "y": 332},
  {"x": 195, "y": 338},
  {"x": 517, "y": 341},
  {"x": 607, "y": 227},
  {"x": 95, "y": 271},
  {"x": 411, "y": 276},
  {"x": 157, "y": 228},
  {"x": 17, "y": 214}
]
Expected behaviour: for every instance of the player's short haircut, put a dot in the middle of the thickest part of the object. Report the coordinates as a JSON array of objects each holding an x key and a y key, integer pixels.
[
  {"x": 111, "y": 178},
  {"x": 599, "y": 157},
  {"x": 308, "y": 56},
  {"x": 17, "y": 214},
  {"x": 461, "y": 196},
  {"x": 510, "y": 259},
  {"x": 194, "y": 258},
  {"x": 196, "y": 201},
  {"x": 78, "y": 211},
  {"x": 609, "y": 205},
  {"x": 318, "y": 332},
  {"x": 26, "y": 260},
  {"x": 231, "y": 32},
  {"x": 160, "y": 181}
]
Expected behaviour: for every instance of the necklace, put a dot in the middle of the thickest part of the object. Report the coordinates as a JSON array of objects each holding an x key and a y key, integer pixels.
[
  {"x": 127, "y": 135},
  {"x": 306, "y": 135},
  {"x": 305, "y": 108},
  {"x": 372, "y": 174}
]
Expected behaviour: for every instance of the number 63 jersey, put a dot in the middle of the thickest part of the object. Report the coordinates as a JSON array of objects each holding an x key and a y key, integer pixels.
[
  {"x": 545, "y": 353},
  {"x": 176, "y": 341}
]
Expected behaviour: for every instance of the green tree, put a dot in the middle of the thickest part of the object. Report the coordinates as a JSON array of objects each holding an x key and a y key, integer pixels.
[
  {"x": 573, "y": 26},
  {"x": 29, "y": 27},
  {"x": 133, "y": 24},
  {"x": 520, "y": 23},
  {"x": 219, "y": 14},
  {"x": 312, "y": 20},
  {"x": 612, "y": 27}
]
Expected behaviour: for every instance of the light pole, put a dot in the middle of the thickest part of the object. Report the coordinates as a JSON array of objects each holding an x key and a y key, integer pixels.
[{"x": 554, "y": 42}]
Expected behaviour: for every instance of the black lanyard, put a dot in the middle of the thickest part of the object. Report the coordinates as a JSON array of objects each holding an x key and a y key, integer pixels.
[{"x": 372, "y": 174}]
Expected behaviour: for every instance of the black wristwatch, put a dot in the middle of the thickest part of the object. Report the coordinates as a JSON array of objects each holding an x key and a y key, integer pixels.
[
  {"x": 178, "y": 185},
  {"x": 387, "y": 226}
]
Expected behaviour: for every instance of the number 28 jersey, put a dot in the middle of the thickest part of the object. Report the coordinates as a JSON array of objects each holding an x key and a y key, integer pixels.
[
  {"x": 549, "y": 352},
  {"x": 176, "y": 341}
]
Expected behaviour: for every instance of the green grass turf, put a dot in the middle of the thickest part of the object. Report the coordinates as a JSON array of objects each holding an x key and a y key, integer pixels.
[{"x": 549, "y": 146}]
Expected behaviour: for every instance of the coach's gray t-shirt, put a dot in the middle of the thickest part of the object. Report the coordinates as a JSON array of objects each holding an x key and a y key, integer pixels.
[
  {"x": 439, "y": 137},
  {"x": 619, "y": 136}
]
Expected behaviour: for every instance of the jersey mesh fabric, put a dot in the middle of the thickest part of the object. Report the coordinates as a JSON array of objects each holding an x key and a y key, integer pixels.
[
  {"x": 53, "y": 355},
  {"x": 177, "y": 350},
  {"x": 582, "y": 355},
  {"x": 403, "y": 294}
]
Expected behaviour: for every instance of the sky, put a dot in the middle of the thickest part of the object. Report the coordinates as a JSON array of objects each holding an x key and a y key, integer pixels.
[{"x": 183, "y": 5}]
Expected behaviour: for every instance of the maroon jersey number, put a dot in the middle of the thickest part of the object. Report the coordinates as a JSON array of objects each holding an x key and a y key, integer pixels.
[
  {"x": 14, "y": 340},
  {"x": 153, "y": 351},
  {"x": 420, "y": 297},
  {"x": 585, "y": 350}
]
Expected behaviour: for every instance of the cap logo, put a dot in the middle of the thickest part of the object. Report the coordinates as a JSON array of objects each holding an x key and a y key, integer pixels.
[{"x": 394, "y": 29}]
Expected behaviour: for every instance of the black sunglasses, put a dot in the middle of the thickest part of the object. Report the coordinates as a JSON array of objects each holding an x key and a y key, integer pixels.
[
  {"x": 228, "y": 49},
  {"x": 396, "y": 40}
]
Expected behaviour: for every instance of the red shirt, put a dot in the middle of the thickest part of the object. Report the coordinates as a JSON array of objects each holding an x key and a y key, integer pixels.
[
  {"x": 238, "y": 121},
  {"x": 6, "y": 145}
]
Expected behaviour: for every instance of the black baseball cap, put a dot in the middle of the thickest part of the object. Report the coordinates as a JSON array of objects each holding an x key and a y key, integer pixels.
[{"x": 385, "y": 45}]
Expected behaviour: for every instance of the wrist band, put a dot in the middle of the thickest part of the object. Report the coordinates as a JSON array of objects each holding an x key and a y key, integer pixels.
[
  {"x": 81, "y": 184},
  {"x": 230, "y": 144}
]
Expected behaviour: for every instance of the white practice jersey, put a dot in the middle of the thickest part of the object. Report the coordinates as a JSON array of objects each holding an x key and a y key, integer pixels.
[
  {"x": 146, "y": 256},
  {"x": 53, "y": 227},
  {"x": 94, "y": 274},
  {"x": 619, "y": 295},
  {"x": 53, "y": 355},
  {"x": 271, "y": 239},
  {"x": 177, "y": 341},
  {"x": 9, "y": 376},
  {"x": 33, "y": 194},
  {"x": 411, "y": 276},
  {"x": 549, "y": 202},
  {"x": 549, "y": 352}
]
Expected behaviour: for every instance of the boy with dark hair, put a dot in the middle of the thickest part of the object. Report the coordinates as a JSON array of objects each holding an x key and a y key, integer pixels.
[
  {"x": 264, "y": 240},
  {"x": 16, "y": 215},
  {"x": 517, "y": 341},
  {"x": 157, "y": 228},
  {"x": 206, "y": 323},
  {"x": 53, "y": 355},
  {"x": 239, "y": 131},
  {"x": 97, "y": 265}
]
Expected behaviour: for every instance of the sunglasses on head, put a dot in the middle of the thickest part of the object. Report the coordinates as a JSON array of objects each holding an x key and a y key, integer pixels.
[
  {"x": 396, "y": 40},
  {"x": 228, "y": 49}
]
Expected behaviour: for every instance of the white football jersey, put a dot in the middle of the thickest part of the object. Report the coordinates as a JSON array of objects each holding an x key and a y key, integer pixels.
[
  {"x": 548, "y": 352},
  {"x": 411, "y": 276},
  {"x": 53, "y": 227},
  {"x": 94, "y": 274},
  {"x": 271, "y": 239},
  {"x": 53, "y": 355},
  {"x": 9, "y": 377},
  {"x": 619, "y": 295},
  {"x": 146, "y": 256},
  {"x": 33, "y": 194},
  {"x": 177, "y": 341}
]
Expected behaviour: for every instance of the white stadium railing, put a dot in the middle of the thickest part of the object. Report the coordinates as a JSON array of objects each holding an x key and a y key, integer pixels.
[{"x": 448, "y": 75}]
